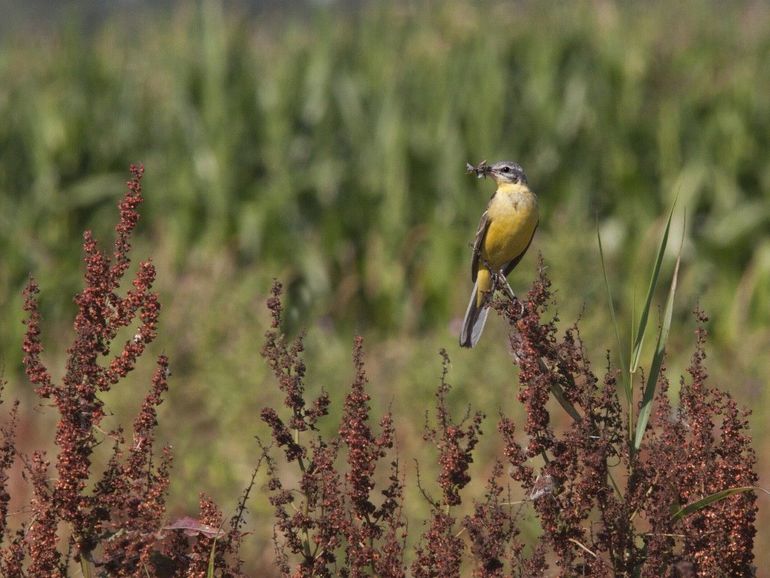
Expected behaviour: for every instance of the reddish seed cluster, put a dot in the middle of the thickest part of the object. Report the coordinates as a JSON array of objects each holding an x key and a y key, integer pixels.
[
  {"x": 133, "y": 491},
  {"x": 310, "y": 525},
  {"x": 42, "y": 542},
  {"x": 455, "y": 442},
  {"x": 593, "y": 526},
  {"x": 389, "y": 561},
  {"x": 440, "y": 551},
  {"x": 492, "y": 530},
  {"x": 322, "y": 515},
  {"x": 101, "y": 313},
  {"x": 200, "y": 551},
  {"x": 368, "y": 523},
  {"x": 363, "y": 450},
  {"x": 7, "y": 457},
  {"x": 603, "y": 509},
  {"x": 534, "y": 345},
  {"x": 114, "y": 527},
  {"x": 36, "y": 372},
  {"x": 700, "y": 448},
  {"x": 285, "y": 360}
]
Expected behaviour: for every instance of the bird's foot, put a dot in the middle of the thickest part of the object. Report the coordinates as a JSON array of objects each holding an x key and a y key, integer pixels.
[{"x": 500, "y": 282}]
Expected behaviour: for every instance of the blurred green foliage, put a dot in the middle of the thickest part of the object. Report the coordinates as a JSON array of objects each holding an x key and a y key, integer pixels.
[{"x": 328, "y": 150}]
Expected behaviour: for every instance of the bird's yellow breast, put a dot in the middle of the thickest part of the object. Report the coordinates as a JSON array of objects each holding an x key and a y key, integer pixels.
[{"x": 513, "y": 216}]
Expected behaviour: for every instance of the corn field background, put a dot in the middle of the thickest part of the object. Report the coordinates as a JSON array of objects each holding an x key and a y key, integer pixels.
[{"x": 325, "y": 145}]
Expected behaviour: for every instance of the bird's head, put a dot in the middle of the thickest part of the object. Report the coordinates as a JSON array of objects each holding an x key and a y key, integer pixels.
[{"x": 507, "y": 172}]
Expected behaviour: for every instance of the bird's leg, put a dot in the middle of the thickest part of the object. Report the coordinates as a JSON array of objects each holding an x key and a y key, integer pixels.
[
  {"x": 511, "y": 295},
  {"x": 499, "y": 281},
  {"x": 505, "y": 286}
]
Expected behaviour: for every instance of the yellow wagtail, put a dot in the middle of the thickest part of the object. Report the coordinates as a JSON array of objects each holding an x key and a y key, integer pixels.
[{"x": 504, "y": 234}]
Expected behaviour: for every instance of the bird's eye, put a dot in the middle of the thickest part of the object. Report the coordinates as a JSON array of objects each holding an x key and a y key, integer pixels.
[{"x": 506, "y": 169}]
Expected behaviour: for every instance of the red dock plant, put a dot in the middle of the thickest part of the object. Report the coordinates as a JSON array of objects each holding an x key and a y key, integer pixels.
[
  {"x": 131, "y": 493},
  {"x": 646, "y": 489},
  {"x": 111, "y": 524},
  {"x": 679, "y": 503},
  {"x": 330, "y": 522}
]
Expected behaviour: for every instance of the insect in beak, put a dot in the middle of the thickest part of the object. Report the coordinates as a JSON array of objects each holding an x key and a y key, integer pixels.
[{"x": 480, "y": 170}]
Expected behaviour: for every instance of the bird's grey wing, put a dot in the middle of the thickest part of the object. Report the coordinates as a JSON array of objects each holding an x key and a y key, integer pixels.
[
  {"x": 512, "y": 264},
  {"x": 481, "y": 232}
]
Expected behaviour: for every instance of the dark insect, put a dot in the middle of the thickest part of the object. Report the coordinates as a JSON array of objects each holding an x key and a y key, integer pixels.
[{"x": 480, "y": 170}]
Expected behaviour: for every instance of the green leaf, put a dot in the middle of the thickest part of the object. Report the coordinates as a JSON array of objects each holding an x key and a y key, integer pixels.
[
  {"x": 660, "y": 350},
  {"x": 708, "y": 500},
  {"x": 210, "y": 571},
  {"x": 85, "y": 566},
  {"x": 623, "y": 368},
  {"x": 639, "y": 338}
]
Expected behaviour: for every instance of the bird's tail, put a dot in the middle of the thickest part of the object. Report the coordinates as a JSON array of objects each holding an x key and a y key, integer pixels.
[{"x": 475, "y": 318}]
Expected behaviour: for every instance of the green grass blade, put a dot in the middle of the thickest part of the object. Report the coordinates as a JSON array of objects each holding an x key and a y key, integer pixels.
[
  {"x": 708, "y": 500},
  {"x": 623, "y": 367},
  {"x": 85, "y": 567},
  {"x": 639, "y": 337},
  {"x": 657, "y": 358},
  {"x": 210, "y": 570}
]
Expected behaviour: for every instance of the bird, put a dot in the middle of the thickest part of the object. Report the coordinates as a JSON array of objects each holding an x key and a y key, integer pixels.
[{"x": 504, "y": 234}]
